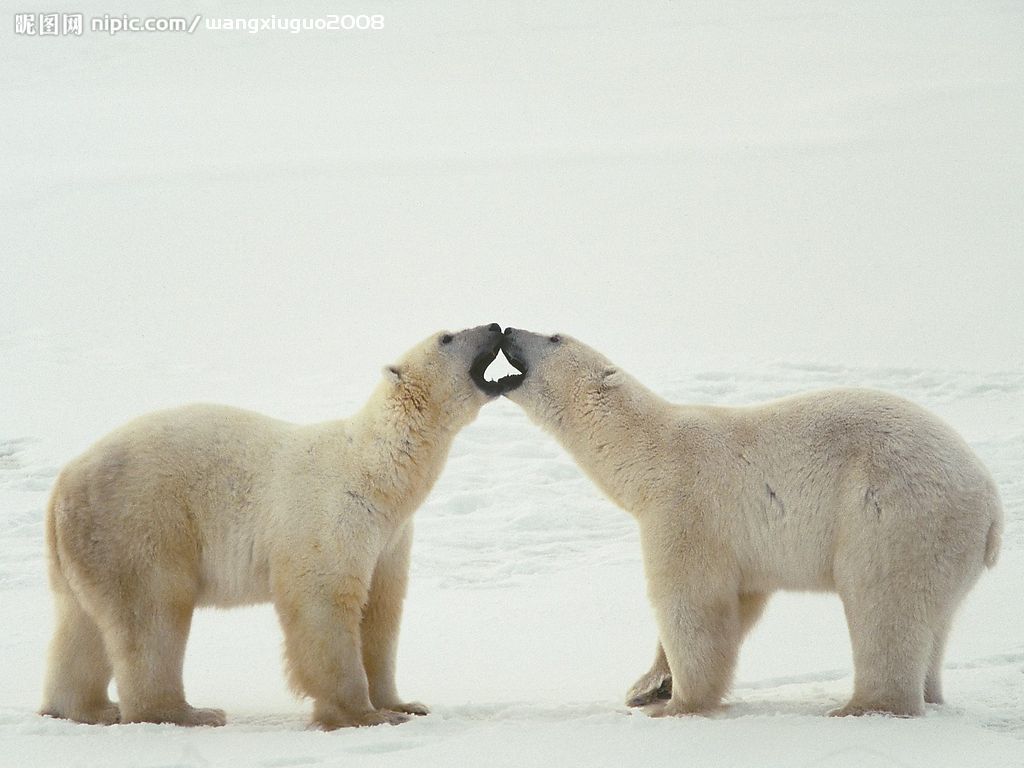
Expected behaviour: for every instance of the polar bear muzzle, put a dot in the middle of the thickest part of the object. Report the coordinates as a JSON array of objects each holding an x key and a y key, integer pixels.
[
  {"x": 484, "y": 357},
  {"x": 516, "y": 356}
]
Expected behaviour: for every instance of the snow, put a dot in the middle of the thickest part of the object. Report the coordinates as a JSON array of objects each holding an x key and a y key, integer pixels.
[{"x": 733, "y": 201}]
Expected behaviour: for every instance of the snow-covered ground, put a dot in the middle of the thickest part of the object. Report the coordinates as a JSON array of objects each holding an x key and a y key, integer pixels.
[{"x": 734, "y": 201}]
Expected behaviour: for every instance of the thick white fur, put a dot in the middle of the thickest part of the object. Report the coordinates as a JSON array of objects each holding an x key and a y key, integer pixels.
[
  {"x": 849, "y": 491},
  {"x": 210, "y": 505}
]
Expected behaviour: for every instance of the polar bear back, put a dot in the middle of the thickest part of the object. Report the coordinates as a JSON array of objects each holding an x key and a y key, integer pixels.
[
  {"x": 798, "y": 480},
  {"x": 203, "y": 479}
]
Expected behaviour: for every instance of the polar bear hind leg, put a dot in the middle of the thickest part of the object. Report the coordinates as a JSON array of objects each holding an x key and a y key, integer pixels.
[
  {"x": 146, "y": 636},
  {"x": 79, "y": 671},
  {"x": 890, "y": 656},
  {"x": 891, "y": 622},
  {"x": 933, "y": 679},
  {"x": 901, "y": 581}
]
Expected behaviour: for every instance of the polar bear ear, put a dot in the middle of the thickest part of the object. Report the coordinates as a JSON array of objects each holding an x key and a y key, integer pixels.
[
  {"x": 393, "y": 373},
  {"x": 611, "y": 377}
]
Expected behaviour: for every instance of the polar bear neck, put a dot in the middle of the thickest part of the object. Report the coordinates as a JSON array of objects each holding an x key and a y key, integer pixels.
[
  {"x": 405, "y": 438},
  {"x": 596, "y": 430}
]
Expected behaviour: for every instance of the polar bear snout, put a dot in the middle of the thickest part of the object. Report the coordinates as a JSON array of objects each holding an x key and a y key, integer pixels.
[
  {"x": 516, "y": 356},
  {"x": 485, "y": 353},
  {"x": 527, "y": 351},
  {"x": 494, "y": 343}
]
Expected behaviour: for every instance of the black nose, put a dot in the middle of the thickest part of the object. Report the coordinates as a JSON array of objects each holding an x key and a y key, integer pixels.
[
  {"x": 508, "y": 331},
  {"x": 494, "y": 328}
]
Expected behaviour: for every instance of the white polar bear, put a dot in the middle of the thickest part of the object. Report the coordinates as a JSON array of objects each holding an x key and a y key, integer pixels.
[
  {"x": 848, "y": 491},
  {"x": 210, "y": 505}
]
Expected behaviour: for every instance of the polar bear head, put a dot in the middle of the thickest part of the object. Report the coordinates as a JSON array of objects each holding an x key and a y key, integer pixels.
[
  {"x": 443, "y": 376},
  {"x": 561, "y": 379}
]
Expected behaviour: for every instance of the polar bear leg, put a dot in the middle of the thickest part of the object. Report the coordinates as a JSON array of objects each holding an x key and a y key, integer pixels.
[
  {"x": 933, "y": 679},
  {"x": 323, "y": 646},
  {"x": 656, "y": 683},
  {"x": 147, "y": 643},
  {"x": 701, "y": 637},
  {"x": 380, "y": 625},
  {"x": 892, "y": 643},
  {"x": 79, "y": 670}
]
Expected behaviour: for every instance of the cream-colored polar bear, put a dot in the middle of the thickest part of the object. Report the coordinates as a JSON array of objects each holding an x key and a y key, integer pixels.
[
  {"x": 209, "y": 505},
  {"x": 849, "y": 491}
]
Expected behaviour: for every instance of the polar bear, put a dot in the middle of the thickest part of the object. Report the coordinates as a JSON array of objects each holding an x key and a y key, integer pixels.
[
  {"x": 210, "y": 505},
  {"x": 849, "y": 491}
]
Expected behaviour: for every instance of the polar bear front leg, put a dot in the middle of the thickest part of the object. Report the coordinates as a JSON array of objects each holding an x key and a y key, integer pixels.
[
  {"x": 320, "y": 614},
  {"x": 380, "y": 627},
  {"x": 701, "y": 636},
  {"x": 693, "y": 591},
  {"x": 654, "y": 684}
]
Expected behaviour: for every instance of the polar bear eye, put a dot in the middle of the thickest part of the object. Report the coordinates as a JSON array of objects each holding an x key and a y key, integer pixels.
[
  {"x": 555, "y": 339},
  {"x": 447, "y": 338}
]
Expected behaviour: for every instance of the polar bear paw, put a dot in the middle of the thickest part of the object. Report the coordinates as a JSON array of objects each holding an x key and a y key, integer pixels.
[
  {"x": 672, "y": 708},
  {"x": 186, "y": 715},
  {"x": 410, "y": 708},
  {"x": 103, "y": 714},
  {"x": 892, "y": 710},
  {"x": 204, "y": 716},
  {"x": 339, "y": 719},
  {"x": 653, "y": 686}
]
